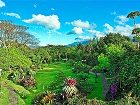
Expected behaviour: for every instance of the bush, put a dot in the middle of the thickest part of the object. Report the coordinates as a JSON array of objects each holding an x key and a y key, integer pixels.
[
  {"x": 80, "y": 67},
  {"x": 83, "y": 84}
]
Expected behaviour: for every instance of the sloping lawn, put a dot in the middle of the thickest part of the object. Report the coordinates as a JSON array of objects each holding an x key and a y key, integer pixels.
[
  {"x": 48, "y": 74},
  {"x": 4, "y": 97}
]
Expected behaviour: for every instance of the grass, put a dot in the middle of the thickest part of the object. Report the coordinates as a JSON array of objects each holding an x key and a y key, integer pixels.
[
  {"x": 45, "y": 77},
  {"x": 48, "y": 74},
  {"x": 98, "y": 88},
  {"x": 4, "y": 97}
]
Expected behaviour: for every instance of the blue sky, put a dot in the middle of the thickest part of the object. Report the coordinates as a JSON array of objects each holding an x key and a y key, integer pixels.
[{"x": 63, "y": 21}]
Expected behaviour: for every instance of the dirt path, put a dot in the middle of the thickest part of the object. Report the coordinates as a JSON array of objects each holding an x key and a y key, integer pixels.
[
  {"x": 13, "y": 99},
  {"x": 105, "y": 85}
]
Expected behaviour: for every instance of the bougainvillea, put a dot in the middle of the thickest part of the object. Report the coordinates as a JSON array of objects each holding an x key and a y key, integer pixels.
[{"x": 113, "y": 90}]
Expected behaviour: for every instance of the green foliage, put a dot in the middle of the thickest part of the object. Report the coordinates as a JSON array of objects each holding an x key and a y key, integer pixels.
[
  {"x": 129, "y": 75},
  {"x": 80, "y": 67},
  {"x": 57, "y": 85},
  {"x": 12, "y": 57},
  {"x": 83, "y": 84},
  {"x": 103, "y": 62},
  {"x": 115, "y": 50},
  {"x": 133, "y": 14}
]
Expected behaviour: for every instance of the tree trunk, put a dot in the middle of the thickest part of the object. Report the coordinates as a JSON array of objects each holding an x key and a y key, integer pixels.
[
  {"x": 96, "y": 76},
  {"x": 138, "y": 45},
  {"x": 134, "y": 23}
]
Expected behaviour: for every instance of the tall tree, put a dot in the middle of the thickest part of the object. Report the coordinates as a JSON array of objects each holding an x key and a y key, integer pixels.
[
  {"x": 133, "y": 15},
  {"x": 11, "y": 34},
  {"x": 136, "y": 31}
]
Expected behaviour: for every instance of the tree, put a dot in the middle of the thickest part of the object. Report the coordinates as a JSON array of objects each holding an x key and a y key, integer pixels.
[
  {"x": 133, "y": 16},
  {"x": 136, "y": 31},
  {"x": 129, "y": 75},
  {"x": 26, "y": 39},
  {"x": 11, "y": 35},
  {"x": 12, "y": 57},
  {"x": 115, "y": 54},
  {"x": 103, "y": 62}
]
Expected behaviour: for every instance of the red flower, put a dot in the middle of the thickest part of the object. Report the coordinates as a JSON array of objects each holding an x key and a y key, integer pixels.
[{"x": 71, "y": 82}]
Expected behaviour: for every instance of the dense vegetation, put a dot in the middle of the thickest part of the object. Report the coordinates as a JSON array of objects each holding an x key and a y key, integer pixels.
[{"x": 70, "y": 75}]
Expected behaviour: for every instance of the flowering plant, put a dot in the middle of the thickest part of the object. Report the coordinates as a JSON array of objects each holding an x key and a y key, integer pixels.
[{"x": 71, "y": 82}]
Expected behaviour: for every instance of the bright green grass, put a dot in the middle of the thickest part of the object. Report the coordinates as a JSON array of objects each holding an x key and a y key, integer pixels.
[
  {"x": 98, "y": 88},
  {"x": 48, "y": 74},
  {"x": 4, "y": 97}
]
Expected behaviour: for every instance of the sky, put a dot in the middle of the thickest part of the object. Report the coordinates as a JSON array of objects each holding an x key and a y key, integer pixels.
[{"x": 62, "y": 22}]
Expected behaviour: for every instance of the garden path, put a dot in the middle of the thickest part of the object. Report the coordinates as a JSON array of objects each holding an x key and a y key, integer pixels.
[{"x": 13, "y": 99}]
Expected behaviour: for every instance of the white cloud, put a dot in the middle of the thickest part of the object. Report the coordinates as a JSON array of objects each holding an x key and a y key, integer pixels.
[
  {"x": 138, "y": 25},
  {"x": 50, "y": 22},
  {"x": 96, "y": 33},
  {"x": 125, "y": 30},
  {"x": 2, "y": 4},
  {"x": 83, "y": 38},
  {"x": 13, "y": 15},
  {"x": 81, "y": 24},
  {"x": 122, "y": 29},
  {"x": 77, "y": 30},
  {"x": 109, "y": 28},
  {"x": 122, "y": 19}
]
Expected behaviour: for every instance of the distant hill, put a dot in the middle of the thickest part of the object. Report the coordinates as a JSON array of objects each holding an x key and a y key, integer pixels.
[{"x": 76, "y": 43}]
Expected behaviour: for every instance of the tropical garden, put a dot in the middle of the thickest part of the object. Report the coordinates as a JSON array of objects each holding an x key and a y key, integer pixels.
[{"x": 105, "y": 71}]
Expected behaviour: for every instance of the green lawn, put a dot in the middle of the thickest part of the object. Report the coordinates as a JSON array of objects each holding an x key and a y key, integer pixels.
[
  {"x": 98, "y": 88},
  {"x": 48, "y": 74},
  {"x": 4, "y": 97}
]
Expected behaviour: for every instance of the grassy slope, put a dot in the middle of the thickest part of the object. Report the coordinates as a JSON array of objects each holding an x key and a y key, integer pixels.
[
  {"x": 47, "y": 75},
  {"x": 4, "y": 98}
]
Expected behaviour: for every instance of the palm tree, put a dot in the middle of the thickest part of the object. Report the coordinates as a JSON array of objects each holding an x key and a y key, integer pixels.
[
  {"x": 136, "y": 31},
  {"x": 133, "y": 15}
]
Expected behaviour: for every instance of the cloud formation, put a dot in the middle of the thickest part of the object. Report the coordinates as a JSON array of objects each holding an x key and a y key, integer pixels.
[
  {"x": 97, "y": 34},
  {"x": 122, "y": 29},
  {"x": 122, "y": 19},
  {"x": 50, "y": 22},
  {"x": 83, "y": 38},
  {"x": 13, "y": 15},
  {"x": 81, "y": 24},
  {"x": 108, "y": 27},
  {"x": 77, "y": 30},
  {"x": 2, "y": 4}
]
